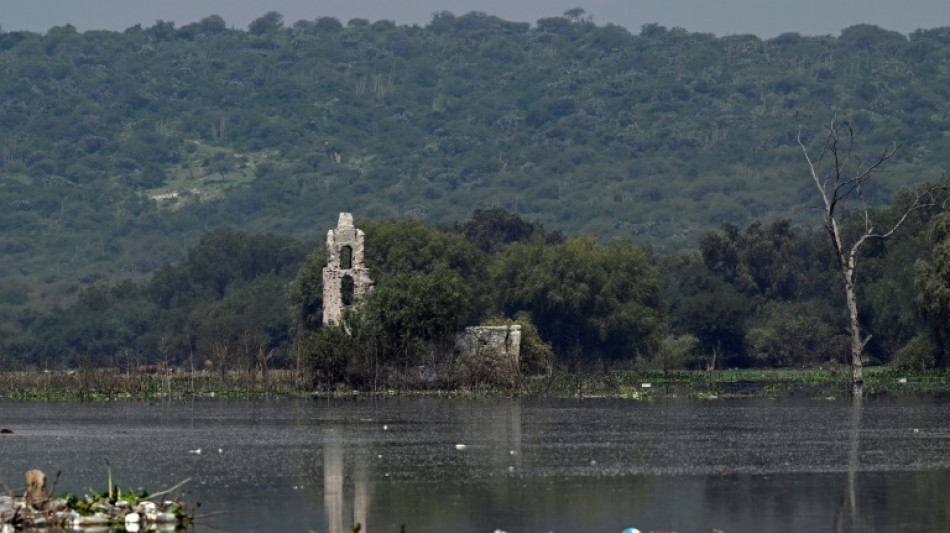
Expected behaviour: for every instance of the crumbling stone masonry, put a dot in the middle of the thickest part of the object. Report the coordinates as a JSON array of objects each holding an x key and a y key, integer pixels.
[
  {"x": 497, "y": 347},
  {"x": 345, "y": 278}
]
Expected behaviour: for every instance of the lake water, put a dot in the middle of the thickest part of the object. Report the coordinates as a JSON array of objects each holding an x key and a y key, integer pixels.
[{"x": 791, "y": 464}]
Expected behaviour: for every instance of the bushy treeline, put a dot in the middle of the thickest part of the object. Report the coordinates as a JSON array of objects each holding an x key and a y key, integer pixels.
[
  {"x": 763, "y": 295},
  {"x": 225, "y": 302},
  {"x": 590, "y": 303}
]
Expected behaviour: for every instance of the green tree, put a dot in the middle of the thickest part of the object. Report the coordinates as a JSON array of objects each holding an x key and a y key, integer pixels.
[
  {"x": 798, "y": 334},
  {"x": 932, "y": 287},
  {"x": 492, "y": 229},
  {"x": 212, "y": 24},
  {"x": 592, "y": 302},
  {"x": 416, "y": 312},
  {"x": 270, "y": 22},
  {"x": 706, "y": 307},
  {"x": 758, "y": 261}
]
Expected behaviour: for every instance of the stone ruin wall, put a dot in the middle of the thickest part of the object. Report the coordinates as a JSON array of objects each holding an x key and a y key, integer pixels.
[
  {"x": 344, "y": 236},
  {"x": 500, "y": 345}
]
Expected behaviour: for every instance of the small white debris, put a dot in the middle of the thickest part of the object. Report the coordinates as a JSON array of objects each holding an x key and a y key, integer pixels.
[
  {"x": 916, "y": 430},
  {"x": 195, "y": 452},
  {"x": 512, "y": 452},
  {"x": 460, "y": 447},
  {"x": 902, "y": 380},
  {"x": 132, "y": 518},
  {"x": 593, "y": 462},
  {"x": 385, "y": 427},
  {"x": 380, "y": 456},
  {"x": 646, "y": 385},
  {"x": 511, "y": 469},
  {"x": 220, "y": 450}
]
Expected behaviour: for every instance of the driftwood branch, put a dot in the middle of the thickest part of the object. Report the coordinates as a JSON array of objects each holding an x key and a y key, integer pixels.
[{"x": 166, "y": 491}]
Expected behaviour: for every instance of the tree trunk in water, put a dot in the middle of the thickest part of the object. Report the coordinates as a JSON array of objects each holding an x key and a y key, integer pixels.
[
  {"x": 848, "y": 517},
  {"x": 716, "y": 349},
  {"x": 857, "y": 343}
]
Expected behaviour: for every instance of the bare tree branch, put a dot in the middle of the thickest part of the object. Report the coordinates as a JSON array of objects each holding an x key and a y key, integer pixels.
[{"x": 837, "y": 184}]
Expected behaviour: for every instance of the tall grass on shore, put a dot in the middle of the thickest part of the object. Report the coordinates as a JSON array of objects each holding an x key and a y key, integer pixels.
[
  {"x": 105, "y": 384},
  {"x": 108, "y": 384}
]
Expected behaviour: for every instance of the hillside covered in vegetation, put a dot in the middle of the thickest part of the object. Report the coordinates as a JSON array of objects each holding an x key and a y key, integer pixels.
[{"x": 118, "y": 150}]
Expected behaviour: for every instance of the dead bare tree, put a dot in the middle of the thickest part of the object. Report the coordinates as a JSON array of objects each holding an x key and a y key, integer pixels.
[{"x": 838, "y": 174}]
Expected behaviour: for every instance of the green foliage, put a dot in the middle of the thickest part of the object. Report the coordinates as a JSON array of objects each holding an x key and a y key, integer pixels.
[
  {"x": 306, "y": 292},
  {"x": 718, "y": 319},
  {"x": 932, "y": 288},
  {"x": 584, "y": 128},
  {"x": 757, "y": 262},
  {"x": 119, "y": 150},
  {"x": 428, "y": 285},
  {"x": 329, "y": 351},
  {"x": 919, "y": 354},
  {"x": 591, "y": 302},
  {"x": 220, "y": 259},
  {"x": 492, "y": 229},
  {"x": 703, "y": 305},
  {"x": 399, "y": 247},
  {"x": 798, "y": 334},
  {"x": 227, "y": 300},
  {"x": 675, "y": 353},
  {"x": 104, "y": 324},
  {"x": 270, "y": 23},
  {"x": 414, "y": 309}
]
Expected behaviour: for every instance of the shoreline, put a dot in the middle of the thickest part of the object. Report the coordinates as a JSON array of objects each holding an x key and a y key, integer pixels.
[{"x": 818, "y": 383}]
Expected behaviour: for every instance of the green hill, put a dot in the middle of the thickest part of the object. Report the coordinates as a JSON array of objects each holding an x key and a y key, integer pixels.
[{"x": 117, "y": 149}]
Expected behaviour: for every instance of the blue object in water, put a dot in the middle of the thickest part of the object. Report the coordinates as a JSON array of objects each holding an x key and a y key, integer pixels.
[{"x": 631, "y": 530}]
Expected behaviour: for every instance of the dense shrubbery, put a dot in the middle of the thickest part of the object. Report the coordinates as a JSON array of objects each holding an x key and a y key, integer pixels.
[
  {"x": 593, "y": 303},
  {"x": 252, "y": 302}
]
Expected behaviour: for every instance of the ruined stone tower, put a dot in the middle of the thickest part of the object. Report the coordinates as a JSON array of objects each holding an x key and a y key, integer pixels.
[{"x": 345, "y": 278}]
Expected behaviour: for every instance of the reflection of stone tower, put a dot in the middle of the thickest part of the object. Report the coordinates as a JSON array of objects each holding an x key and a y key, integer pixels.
[
  {"x": 333, "y": 481},
  {"x": 345, "y": 278},
  {"x": 333, "y": 484}
]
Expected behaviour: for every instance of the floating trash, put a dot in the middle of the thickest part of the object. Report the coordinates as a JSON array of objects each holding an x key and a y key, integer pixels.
[{"x": 133, "y": 510}]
